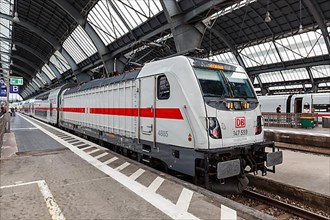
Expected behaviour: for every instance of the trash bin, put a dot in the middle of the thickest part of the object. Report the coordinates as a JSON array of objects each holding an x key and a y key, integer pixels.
[{"x": 307, "y": 122}]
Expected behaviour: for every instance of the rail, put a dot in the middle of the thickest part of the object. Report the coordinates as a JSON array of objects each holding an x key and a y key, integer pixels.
[
  {"x": 287, "y": 120},
  {"x": 284, "y": 206}
]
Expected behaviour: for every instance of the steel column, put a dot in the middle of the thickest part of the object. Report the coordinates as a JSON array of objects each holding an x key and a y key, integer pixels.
[{"x": 186, "y": 37}]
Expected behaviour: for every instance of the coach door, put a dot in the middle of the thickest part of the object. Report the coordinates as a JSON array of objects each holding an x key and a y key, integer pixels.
[
  {"x": 146, "y": 111},
  {"x": 298, "y": 105}
]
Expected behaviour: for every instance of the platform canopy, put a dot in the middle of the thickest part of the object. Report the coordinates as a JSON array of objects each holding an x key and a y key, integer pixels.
[{"x": 283, "y": 45}]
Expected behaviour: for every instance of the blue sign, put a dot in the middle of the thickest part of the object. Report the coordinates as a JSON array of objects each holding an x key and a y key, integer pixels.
[
  {"x": 3, "y": 93},
  {"x": 14, "y": 89}
]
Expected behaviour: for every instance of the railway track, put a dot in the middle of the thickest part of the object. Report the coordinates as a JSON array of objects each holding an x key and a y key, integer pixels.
[{"x": 293, "y": 210}]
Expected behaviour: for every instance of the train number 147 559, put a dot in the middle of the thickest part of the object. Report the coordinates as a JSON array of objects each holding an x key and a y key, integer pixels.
[{"x": 241, "y": 132}]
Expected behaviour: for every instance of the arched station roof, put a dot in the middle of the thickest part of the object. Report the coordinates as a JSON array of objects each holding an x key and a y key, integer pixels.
[{"x": 61, "y": 41}]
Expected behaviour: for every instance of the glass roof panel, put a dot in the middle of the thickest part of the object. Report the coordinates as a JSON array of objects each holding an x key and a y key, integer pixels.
[
  {"x": 60, "y": 62},
  {"x": 301, "y": 46},
  {"x": 271, "y": 77},
  {"x": 324, "y": 84},
  {"x": 260, "y": 54},
  {"x": 106, "y": 22},
  {"x": 228, "y": 57},
  {"x": 48, "y": 72},
  {"x": 5, "y": 32},
  {"x": 286, "y": 87},
  {"x": 232, "y": 8},
  {"x": 136, "y": 12},
  {"x": 35, "y": 82},
  {"x": 41, "y": 78},
  {"x": 295, "y": 74},
  {"x": 255, "y": 82},
  {"x": 79, "y": 45},
  {"x": 321, "y": 71},
  {"x": 74, "y": 50},
  {"x": 112, "y": 19}
]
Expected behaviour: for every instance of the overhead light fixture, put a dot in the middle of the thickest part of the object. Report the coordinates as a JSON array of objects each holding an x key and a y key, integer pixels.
[
  {"x": 16, "y": 19},
  {"x": 268, "y": 18},
  {"x": 13, "y": 47},
  {"x": 301, "y": 29},
  {"x": 154, "y": 44},
  {"x": 11, "y": 63}
]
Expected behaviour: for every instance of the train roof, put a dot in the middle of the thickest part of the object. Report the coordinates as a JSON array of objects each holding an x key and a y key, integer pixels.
[{"x": 104, "y": 82}]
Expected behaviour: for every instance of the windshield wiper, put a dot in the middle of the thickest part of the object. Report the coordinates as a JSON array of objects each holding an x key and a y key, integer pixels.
[{"x": 213, "y": 95}]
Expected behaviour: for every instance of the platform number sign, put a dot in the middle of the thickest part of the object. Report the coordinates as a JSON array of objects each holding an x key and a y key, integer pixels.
[
  {"x": 14, "y": 89},
  {"x": 240, "y": 122}
]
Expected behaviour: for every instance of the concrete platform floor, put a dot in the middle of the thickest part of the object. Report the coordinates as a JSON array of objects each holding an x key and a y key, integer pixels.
[{"x": 304, "y": 170}]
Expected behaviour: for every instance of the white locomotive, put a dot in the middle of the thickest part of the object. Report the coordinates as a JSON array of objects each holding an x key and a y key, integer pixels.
[{"x": 193, "y": 116}]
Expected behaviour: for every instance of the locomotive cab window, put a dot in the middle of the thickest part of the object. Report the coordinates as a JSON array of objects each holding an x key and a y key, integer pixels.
[{"x": 163, "y": 91}]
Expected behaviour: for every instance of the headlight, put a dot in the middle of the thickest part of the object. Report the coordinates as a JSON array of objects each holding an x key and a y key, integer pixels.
[
  {"x": 214, "y": 128},
  {"x": 258, "y": 129}
]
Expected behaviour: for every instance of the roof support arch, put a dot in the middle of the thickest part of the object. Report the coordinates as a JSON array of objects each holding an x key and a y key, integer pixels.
[
  {"x": 310, "y": 74},
  {"x": 35, "y": 87},
  {"x": 40, "y": 56},
  {"x": 55, "y": 70},
  {"x": 29, "y": 73},
  {"x": 319, "y": 18},
  {"x": 28, "y": 62},
  {"x": 30, "y": 90},
  {"x": 24, "y": 75},
  {"x": 103, "y": 51},
  {"x": 47, "y": 37}
]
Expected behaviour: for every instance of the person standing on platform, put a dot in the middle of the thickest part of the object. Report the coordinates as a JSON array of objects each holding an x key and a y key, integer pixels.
[
  {"x": 278, "y": 111},
  {"x": 12, "y": 111}
]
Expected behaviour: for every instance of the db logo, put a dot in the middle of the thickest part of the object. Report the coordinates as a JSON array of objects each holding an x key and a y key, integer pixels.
[{"x": 240, "y": 122}]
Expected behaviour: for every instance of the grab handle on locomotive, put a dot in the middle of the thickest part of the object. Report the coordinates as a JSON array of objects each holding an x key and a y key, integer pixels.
[{"x": 147, "y": 132}]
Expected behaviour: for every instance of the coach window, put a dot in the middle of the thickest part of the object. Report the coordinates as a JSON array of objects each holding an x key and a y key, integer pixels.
[
  {"x": 163, "y": 86},
  {"x": 51, "y": 110}
]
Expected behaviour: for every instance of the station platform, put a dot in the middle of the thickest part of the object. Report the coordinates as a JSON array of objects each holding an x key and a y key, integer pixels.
[
  {"x": 304, "y": 170},
  {"x": 309, "y": 171},
  {"x": 56, "y": 175},
  {"x": 317, "y": 137}
]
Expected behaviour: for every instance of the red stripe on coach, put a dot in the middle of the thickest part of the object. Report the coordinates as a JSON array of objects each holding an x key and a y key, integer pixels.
[
  {"x": 168, "y": 113},
  {"x": 78, "y": 110}
]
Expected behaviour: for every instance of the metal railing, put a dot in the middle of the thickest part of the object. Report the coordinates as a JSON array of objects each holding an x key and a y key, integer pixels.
[{"x": 287, "y": 120}]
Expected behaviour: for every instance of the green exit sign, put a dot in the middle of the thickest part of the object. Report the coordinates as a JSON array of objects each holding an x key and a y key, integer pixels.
[{"x": 16, "y": 81}]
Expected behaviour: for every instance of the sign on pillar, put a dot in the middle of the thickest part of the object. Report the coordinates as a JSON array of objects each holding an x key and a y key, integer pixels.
[
  {"x": 14, "y": 89},
  {"x": 17, "y": 81}
]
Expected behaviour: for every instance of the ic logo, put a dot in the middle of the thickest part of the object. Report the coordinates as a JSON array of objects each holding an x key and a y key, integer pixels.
[{"x": 240, "y": 122}]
